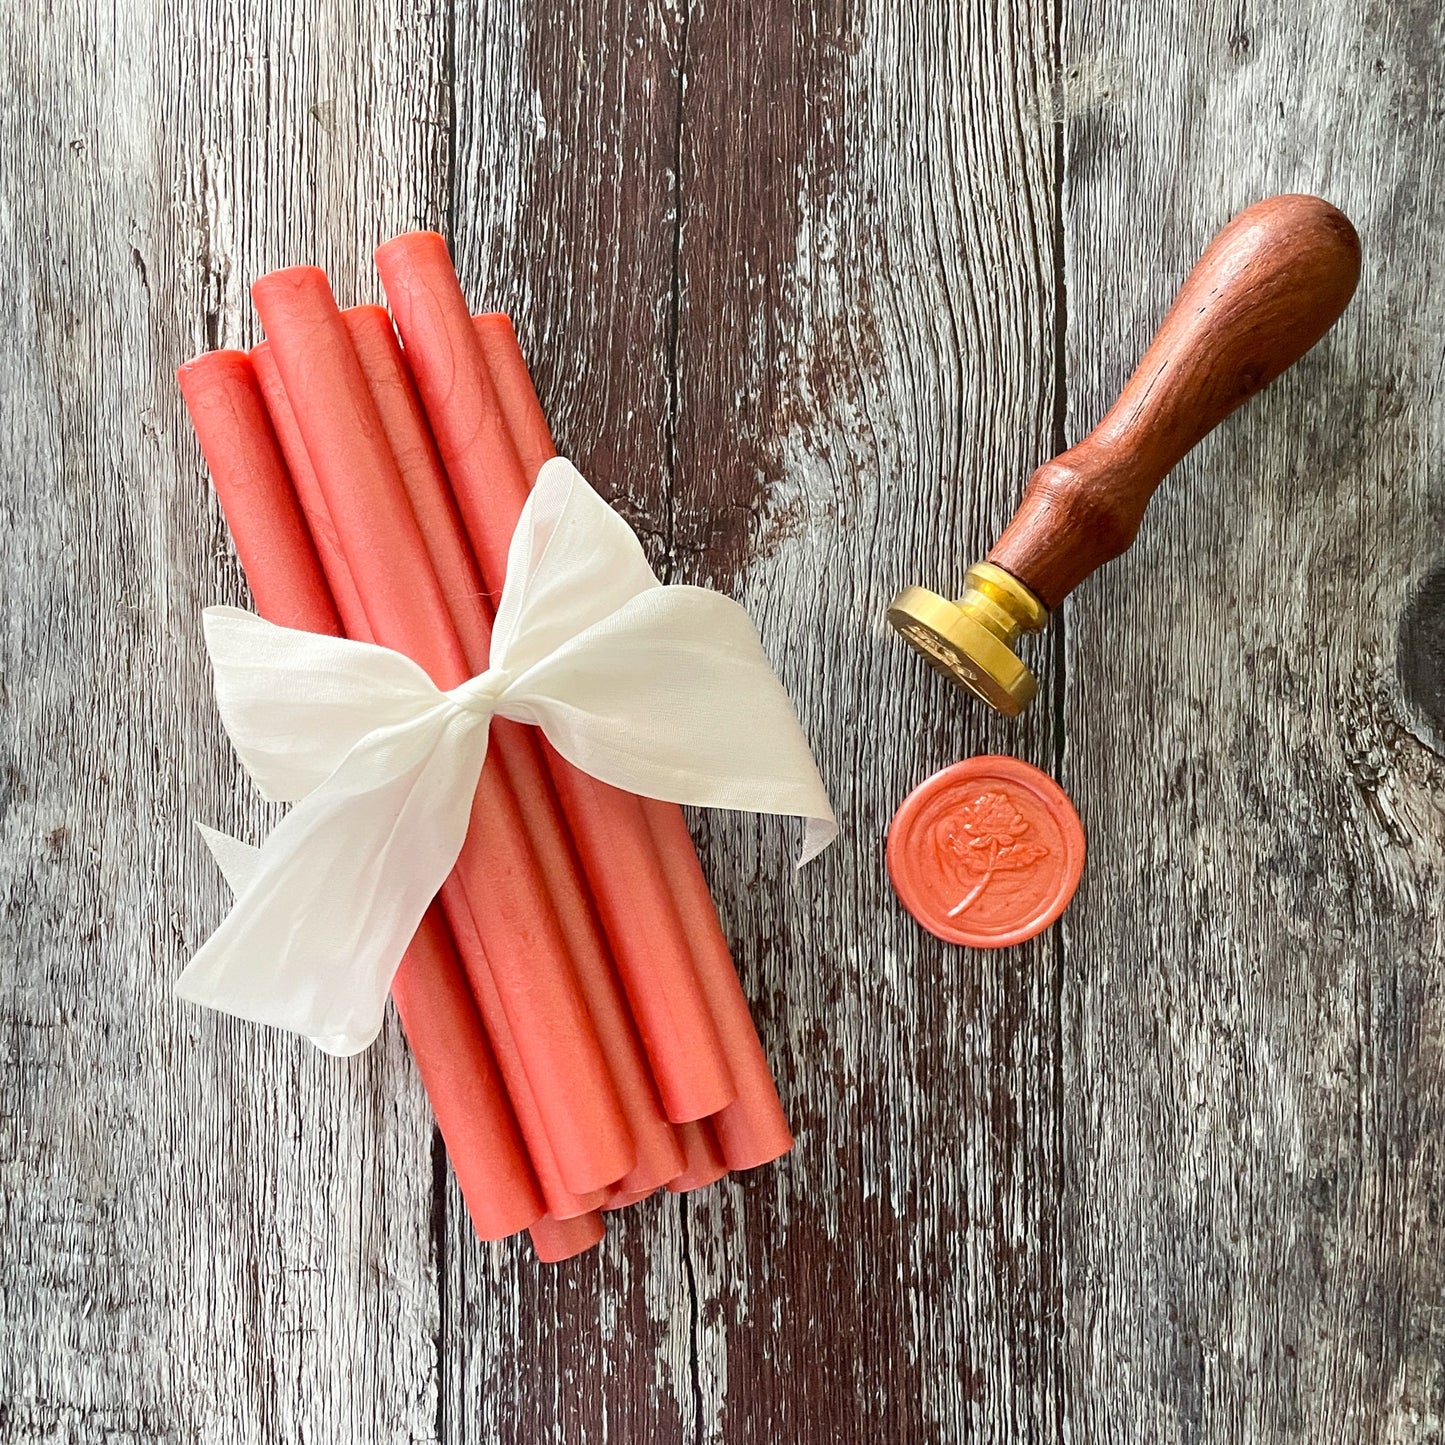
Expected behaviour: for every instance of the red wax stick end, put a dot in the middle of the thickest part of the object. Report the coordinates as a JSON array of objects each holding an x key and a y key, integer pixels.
[
  {"x": 441, "y": 1024},
  {"x": 515, "y": 392},
  {"x": 559, "y": 1239},
  {"x": 411, "y": 244},
  {"x": 625, "y": 1198},
  {"x": 748, "y": 1143},
  {"x": 227, "y": 410},
  {"x": 705, "y": 1163},
  {"x": 290, "y": 279},
  {"x": 659, "y": 1159}
]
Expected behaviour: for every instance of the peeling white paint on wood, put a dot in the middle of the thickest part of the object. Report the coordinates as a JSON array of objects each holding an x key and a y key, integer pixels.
[{"x": 209, "y": 1233}]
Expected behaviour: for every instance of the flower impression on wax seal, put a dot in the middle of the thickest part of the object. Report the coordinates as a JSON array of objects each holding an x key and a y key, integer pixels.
[{"x": 986, "y": 853}]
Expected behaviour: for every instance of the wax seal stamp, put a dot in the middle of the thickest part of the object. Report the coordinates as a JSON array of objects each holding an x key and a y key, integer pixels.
[
  {"x": 987, "y": 852},
  {"x": 971, "y": 641},
  {"x": 1268, "y": 286}
]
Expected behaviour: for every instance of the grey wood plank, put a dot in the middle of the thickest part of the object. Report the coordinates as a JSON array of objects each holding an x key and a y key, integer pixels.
[
  {"x": 834, "y": 395},
  {"x": 207, "y": 1232},
  {"x": 562, "y": 216},
  {"x": 867, "y": 314},
  {"x": 1253, "y": 997}
]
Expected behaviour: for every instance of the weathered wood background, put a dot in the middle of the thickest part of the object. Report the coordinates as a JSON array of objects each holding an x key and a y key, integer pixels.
[{"x": 811, "y": 287}]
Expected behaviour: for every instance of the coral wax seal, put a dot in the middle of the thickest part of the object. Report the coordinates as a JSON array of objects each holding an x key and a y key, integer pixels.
[{"x": 987, "y": 852}]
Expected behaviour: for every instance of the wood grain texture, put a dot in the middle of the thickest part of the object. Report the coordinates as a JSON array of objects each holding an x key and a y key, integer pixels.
[
  {"x": 864, "y": 360},
  {"x": 810, "y": 290},
  {"x": 207, "y": 1232},
  {"x": 1254, "y": 997},
  {"x": 775, "y": 316}
]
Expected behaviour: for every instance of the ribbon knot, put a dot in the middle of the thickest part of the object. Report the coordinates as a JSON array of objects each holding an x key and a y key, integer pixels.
[
  {"x": 481, "y": 694},
  {"x": 663, "y": 691}
]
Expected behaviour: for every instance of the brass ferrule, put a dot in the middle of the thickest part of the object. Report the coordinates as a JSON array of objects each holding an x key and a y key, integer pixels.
[{"x": 1001, "y": 603}]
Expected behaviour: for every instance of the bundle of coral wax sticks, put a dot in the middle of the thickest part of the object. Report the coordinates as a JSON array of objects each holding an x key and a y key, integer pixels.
[{"x": 569, "y": 998}]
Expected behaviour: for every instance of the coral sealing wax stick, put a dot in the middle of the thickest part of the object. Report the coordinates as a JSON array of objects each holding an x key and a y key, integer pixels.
[
  {"x": 430, "y": 992},
  {"x": 560, "y": 1201},
  {"x": 753, "y": 1130},
  {"x": 559, "y": 1239},
  {"x": 509, "y": 899},
  {"x": 659, "y": 1154},
  {"x": 618, "y": 851},
  {"x": 705, "y": 1163}
]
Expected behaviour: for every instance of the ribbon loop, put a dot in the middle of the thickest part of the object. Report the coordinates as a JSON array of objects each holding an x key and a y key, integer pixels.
[{"x": 664, "y": 691}]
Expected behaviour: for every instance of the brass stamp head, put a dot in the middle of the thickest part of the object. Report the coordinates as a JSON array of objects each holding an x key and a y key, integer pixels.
[{"x": 971, "y": 641}]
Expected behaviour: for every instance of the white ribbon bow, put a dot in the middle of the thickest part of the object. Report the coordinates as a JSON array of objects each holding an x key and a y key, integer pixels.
[{"x": 663, "y": 691}]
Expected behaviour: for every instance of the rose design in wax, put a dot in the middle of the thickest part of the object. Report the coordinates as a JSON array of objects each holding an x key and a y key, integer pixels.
[
  {"x": 987, "y": 852},
  {"x": 986, "y": 836}
]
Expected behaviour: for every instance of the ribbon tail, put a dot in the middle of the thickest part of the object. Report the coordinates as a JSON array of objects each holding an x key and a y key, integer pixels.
[
  {"x": 238, "y": 861},
  {"x": 819, "y": 833},
  {"x": 331, "y": 900},
  {"x": 673, "y": 697}
]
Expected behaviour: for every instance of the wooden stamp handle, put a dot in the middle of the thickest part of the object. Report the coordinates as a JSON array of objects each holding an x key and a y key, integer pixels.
[{"x": 1270, "y": 284}]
